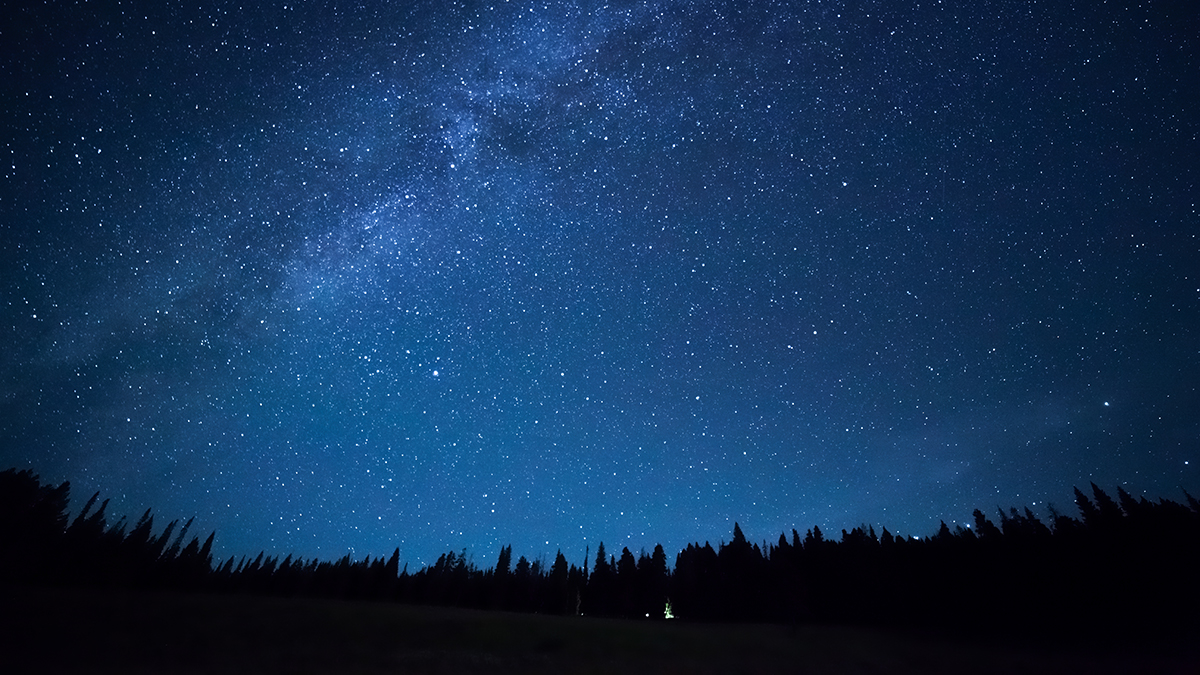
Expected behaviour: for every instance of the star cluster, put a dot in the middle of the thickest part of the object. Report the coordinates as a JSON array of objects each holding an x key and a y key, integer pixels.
[{"x": 459, "y": 275}]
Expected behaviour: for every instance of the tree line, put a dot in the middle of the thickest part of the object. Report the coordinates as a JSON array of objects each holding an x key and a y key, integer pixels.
[{"x": 1124, "y": 564}]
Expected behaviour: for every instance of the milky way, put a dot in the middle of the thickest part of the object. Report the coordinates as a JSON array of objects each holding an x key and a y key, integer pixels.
[{"x": 341, "y": 279}]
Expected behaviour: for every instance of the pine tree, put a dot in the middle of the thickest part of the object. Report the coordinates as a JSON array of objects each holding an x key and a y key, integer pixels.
[
  {"x": 504, "y": 562},
  {"x": 1087, "y": 510},
  {"x": 1110, "y": 513},
  {"x": 626, "y": 590},
  {"x": 598, "y": 596},
  {"x": 559, "y": 600}
]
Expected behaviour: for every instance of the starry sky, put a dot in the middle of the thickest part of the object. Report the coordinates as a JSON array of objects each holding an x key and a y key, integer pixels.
[{"x": 340, "y": 277}]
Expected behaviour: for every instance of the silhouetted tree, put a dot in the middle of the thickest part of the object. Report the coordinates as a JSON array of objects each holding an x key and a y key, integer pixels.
[
  {"x": 523, "y": 579},
  {"x": 501, "y": 579},
  {"x": 653, "y": 580},
  {"x": 1110, "y": 513},
  {"x": 627, "y": 585},
  {"x": 813, "y": 537},
  {"x": 598, "y": 598},
  {"x": 696, "y": 583},
  {"x": 504, "y": 562},
  {"x": 33, "y": 519},
  {"x": 987, "y": 530},
  {"x": 559, "y": 600},
  {"x": 1087, "y": 510},
  {"x": 740, "y": 569}
]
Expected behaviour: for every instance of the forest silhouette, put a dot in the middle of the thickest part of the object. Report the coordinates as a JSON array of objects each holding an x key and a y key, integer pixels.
[{"x": 1124, "y": 567}]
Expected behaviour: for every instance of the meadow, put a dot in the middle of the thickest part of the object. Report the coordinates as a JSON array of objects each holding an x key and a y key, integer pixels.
[{"x": 119, "y": 631}]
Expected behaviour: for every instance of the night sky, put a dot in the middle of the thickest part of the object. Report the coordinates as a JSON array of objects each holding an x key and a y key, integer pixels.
[{"x": 338, "y": 278}]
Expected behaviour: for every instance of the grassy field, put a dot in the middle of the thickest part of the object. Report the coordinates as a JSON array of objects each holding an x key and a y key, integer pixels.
[{"x": 55, "y": 631}]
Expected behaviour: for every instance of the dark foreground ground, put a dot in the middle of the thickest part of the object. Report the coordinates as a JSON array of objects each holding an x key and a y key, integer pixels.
[{"x": 55, "y": 631}]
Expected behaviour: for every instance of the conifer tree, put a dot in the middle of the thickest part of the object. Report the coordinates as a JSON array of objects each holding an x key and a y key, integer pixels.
[
  {"x": 504, "y": 562},
  {"x": 1087, "y": 510},
  {"x": 598, "y": 596},
  {"x": 559, "y": 592}
]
